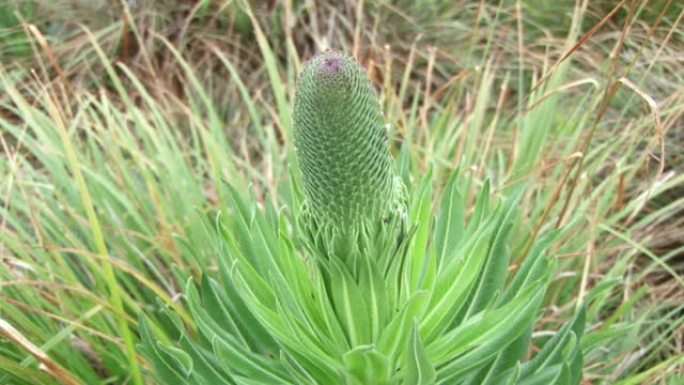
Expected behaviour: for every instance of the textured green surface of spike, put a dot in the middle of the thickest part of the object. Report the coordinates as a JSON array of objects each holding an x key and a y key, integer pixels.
[{"x": 342, "y": 145}]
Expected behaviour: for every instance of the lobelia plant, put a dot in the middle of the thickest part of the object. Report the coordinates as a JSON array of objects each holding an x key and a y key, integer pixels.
[{"x": 375, "y": 289}]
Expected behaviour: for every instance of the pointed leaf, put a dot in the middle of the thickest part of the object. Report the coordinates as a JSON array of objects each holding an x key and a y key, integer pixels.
[{"x": 419, "y": 368}]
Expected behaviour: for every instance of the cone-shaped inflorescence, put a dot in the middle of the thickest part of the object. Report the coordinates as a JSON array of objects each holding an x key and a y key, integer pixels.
[{"x": 342, "y": 145}]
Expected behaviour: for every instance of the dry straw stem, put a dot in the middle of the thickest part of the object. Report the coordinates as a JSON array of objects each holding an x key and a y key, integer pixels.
[
  {"x": 42, "y": 41},
  {"x": 655, "y": 112},
  {"x": 608, "y": 96},
  {"x": 579, "y": 44},
  {"x": 100, "y": 304},
  {"x": 47, "y": 364}
]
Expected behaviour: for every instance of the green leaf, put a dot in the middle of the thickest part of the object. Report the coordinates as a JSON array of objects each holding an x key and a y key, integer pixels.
[
  {"x": 296, "y": 370},
  {"x": 403, "y": 164},
  {"x": 548, "y": 375},
  {"x": 507, "y": 361},
  {"x": 534, "y": 267},
  {"x": 365, "y": 365},
  {"x": 479, "y": 342},
  {"x": 453, "y": 286},
  {"x": 180, "y": 358},
  {"x": 254, "y": 367},
  {"x": 450, "y": 224},
  {"x": 495, "y": 270},
  {"x": 167, "y": 367},
  {"x": 552, "y": 352},
  {"x": 481, "y": 211},
  {"x": 372, "y": 283},
  {"x": 207, "y": 367},
  {"x": 421, "y": 263},
  {"x": 399, "y": 329},
  {"x": 419, "y": 368},
  {"x": 350, "y": 304}
]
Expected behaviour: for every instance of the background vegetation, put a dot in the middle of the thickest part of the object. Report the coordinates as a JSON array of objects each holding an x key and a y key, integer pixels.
[{"x": 122, "y": 125}]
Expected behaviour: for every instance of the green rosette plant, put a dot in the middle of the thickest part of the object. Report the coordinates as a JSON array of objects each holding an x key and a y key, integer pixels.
[{"x": 370, "y": 284}]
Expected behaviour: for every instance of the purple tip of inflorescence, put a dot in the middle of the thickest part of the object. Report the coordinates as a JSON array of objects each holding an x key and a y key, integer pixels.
[{"x": 331, "y": 66}]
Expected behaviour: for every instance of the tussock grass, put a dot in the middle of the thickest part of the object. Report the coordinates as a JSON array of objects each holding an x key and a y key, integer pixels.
[{"x": 120, "y": 135}]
